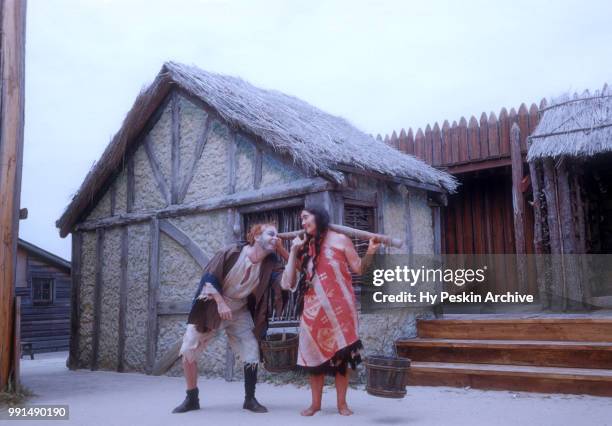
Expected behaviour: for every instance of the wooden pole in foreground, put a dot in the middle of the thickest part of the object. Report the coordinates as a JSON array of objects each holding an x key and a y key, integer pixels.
[
  {"x": 518, "y": 206},
  {"x": 351, "y": 232},
  {"x": 12, "y": 63},
  {"x": 542, "y": 276}
]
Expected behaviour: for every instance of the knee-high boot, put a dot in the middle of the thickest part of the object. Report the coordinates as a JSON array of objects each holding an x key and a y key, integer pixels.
[{"x": 250, "y": 380}]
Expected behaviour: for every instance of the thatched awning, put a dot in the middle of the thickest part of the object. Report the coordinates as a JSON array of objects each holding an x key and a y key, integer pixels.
[
  {"x": 578, "y": 126},
  {"x": 316, "y": 141}
]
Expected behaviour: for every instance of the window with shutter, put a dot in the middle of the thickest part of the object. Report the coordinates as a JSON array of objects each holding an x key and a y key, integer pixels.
[
  {"x": 363, "y": 218},
  {"x": 42, "y": 290}
]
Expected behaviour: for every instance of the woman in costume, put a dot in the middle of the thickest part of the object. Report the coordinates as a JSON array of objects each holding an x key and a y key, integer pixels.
[{"x": 328, "y": 337}]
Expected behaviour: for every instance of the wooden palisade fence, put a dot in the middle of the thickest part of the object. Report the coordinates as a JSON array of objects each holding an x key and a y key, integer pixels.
[
  {"x": 490, "y": 213},
  {"x": 471, "y": 144}
]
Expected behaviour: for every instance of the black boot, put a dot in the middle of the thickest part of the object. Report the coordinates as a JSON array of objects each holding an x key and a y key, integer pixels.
[
  {"x": 250, "y": 380},
  {"x": 191, "y": 402}
]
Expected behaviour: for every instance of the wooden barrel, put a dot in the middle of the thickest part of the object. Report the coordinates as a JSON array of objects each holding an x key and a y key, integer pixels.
[
  {"x": 280, "y": 352},
  {"x": 387, "y": 376}
]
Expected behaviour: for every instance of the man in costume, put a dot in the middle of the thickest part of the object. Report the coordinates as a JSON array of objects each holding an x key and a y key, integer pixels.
[{"x": 233, "y": 296}]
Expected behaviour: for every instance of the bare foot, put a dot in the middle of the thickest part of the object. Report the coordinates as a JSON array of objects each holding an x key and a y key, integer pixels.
[
  {"x": 344, "y": 410},
  {"x": 310, "y": 411}
]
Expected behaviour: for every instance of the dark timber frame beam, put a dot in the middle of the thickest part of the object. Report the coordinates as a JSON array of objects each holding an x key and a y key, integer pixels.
[
  {"x": 272, "y": 205},
  {"x": 175, "y": 155},
  {"x": 239, "y": 199},
  {"x": 113, "y": 199},
  {"x": 130, "y": 192},
  {"x": 152, "y": 324},
  {"x": 405, "y": 193},
  {"x": 184, "y": 241},
  {"x": 122, "y": 299},
  {"x": 199, "y": 149},
  {"x": 75, "y": 297},
  {"x": 408, "y": 182},
  {"x": 97, "y": 302},
  {"x": 380, "y": 202},
  {"x": 258, "y": 168},
  {"x": 157, "y": 173},
  {"x": 231, "y": 162}
]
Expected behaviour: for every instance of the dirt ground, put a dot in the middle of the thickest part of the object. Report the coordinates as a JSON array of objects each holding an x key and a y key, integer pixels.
[{"x": 107, "y": 398}]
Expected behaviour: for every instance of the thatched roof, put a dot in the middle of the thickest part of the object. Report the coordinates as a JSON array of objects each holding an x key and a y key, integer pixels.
[
  {"x": 316, "y": 141},
  {"x": 575, "y": 126}
]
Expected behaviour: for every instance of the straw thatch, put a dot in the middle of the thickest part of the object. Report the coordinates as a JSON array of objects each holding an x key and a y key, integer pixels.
[
  {"x": 318, "y": 142},
  {"x": 578, "y": 126}
]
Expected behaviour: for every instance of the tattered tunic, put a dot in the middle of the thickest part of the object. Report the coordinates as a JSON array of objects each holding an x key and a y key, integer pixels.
[
  {"x": 204, "y": 314},
  {"x": 239, "y": 283}
]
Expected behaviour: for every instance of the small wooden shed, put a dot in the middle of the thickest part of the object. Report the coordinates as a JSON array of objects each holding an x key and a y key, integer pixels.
[
  {"x": 42, "y": 281},
  {"x": 570, "y": 157},
  {"x": 199, "y": 157}
]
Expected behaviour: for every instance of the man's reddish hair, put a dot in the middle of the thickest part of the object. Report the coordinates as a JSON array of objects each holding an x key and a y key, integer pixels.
[{"x": 256, "y": 229}]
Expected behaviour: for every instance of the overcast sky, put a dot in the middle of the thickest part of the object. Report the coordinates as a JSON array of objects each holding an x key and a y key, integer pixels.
[{"x": 382, "y": 65}]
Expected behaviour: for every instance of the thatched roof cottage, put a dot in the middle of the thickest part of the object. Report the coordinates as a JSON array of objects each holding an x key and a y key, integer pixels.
[
  {"x": 570, "y": 154},
  {"x": 200, "y": 156}
]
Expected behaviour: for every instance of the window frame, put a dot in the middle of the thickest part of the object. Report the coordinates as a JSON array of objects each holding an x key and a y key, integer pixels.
[{"x": 42, "y": 302}]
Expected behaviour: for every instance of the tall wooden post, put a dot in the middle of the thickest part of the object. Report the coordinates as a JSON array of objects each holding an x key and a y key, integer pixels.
[
  {"x": 538, "y": 233},
  {"x": 581, "y": 217},
  {"x": 557, "y": 299},
  {"x": 518, "y": 205},
  {"x": 573, "y": 279},
  {"x": 12, "y": 84},
  {"x": 75, "y": 300},
  {"x": 436, "y": 218},
  {"x": 152, "y": 321},
  {"x": 406, "y": 203}
]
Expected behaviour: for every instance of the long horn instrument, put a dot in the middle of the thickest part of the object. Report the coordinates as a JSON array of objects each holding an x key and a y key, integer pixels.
[{"x": 350, "y": 232}]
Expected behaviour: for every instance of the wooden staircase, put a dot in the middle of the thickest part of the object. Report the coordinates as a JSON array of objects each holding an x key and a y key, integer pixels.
[{"x": 552, "y": 355}]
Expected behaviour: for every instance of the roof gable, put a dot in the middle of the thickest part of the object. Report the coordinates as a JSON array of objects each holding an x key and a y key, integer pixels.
[{"x": 317, "y": 142}]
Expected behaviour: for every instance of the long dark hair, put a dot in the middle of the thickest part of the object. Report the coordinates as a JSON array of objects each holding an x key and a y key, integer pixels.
[{"x": 321, "y": 217}]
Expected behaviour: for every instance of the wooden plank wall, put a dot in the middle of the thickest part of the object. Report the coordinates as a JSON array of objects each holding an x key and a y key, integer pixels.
[
  {"x": 478, "y": 220},
  {"x": 47, "y": 327}
]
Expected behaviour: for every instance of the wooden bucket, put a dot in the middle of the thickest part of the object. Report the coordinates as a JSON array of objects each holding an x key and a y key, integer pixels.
[
  {"x": 280, "y": 352},
  {"x": 387, "y": 376}
]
